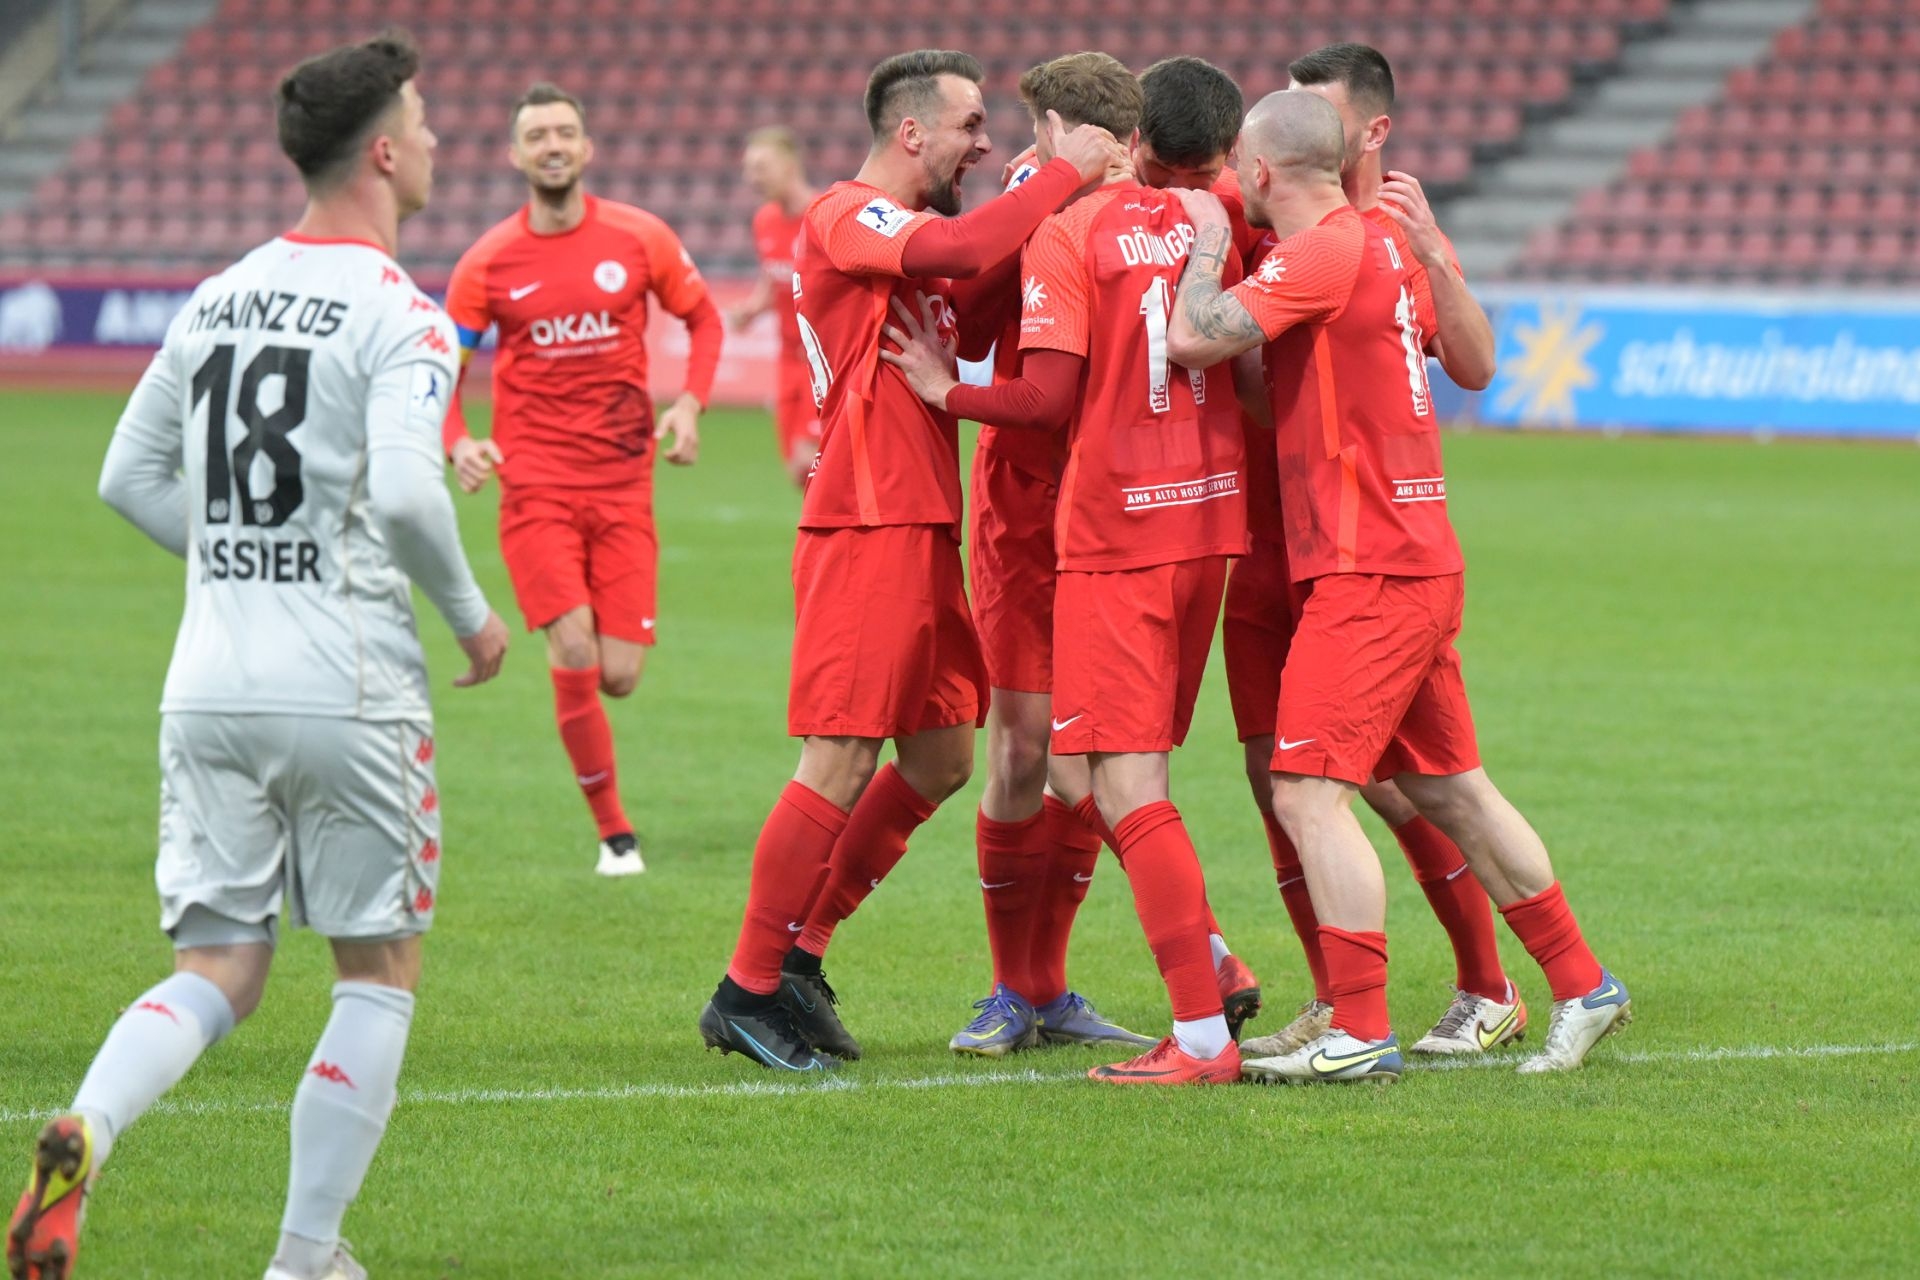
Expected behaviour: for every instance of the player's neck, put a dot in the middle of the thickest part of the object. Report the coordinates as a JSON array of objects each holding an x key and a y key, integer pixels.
[
  {"x": 1295, "y": 213},
  {"x": 1362, "y": 184},
  {"x": 352, "y": 214},
  {"x": 900, "y": 176},
  {"x": 795, "y": 201},
  {"x": 555, "y": 213}
]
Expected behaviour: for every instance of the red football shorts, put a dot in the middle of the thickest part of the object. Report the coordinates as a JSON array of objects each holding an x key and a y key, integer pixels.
[
  {"x": 1129, "y": 651},
  {"x": 796, "y": 420},
  {"x": 1263, "y": 606},
  {"x": 567, "y": 548},
  {"x": 883, "y": 642},
  {"x": 1372, "y": 685},
  {"x": 1011, "y": 562}
]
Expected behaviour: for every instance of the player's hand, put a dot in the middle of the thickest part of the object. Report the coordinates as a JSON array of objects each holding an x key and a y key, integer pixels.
[
  {"x": 1203, "y": 207},
  {"x": 475, "y": 460},
  {"x": 1029, "y": 156},
  {"x": 485, "y": 649},
  {"x": 926, "y": 361},
  {"x": 1089, "y": 148},
  {"x": 682, "y": 422},
  {"x": 739, "y": 317},
  {"x": 1401, "y": 196}
]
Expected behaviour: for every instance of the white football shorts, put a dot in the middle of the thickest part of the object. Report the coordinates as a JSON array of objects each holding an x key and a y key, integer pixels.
[{"x": 332, "y": 823}]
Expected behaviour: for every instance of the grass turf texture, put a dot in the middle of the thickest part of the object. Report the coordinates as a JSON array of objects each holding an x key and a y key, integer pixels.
[{"x": 1694, "y": 668}]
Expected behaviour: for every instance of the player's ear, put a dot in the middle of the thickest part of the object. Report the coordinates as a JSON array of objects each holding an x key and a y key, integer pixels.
[
  {"x": 385, "y": 158},
  {"x": 1377, "y": 129},
  {"x": 1233, "y": 153},
  {"x": 908, "y": 135}
]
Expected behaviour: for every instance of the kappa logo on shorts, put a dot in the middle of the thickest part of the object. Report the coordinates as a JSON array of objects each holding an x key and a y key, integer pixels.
[
  {"x": 430, "y": 851},
  {"x": 423, "y": 900},
  {"x": 430, "y": 801},
  {"x": 423, "y": 754}
]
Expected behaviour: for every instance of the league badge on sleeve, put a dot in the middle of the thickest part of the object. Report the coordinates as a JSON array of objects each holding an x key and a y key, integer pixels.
[{"x": 884, "y": 216}]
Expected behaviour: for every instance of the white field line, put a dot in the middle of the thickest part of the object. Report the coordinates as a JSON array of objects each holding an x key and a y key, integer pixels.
[{"x": 853, "y": 1084}]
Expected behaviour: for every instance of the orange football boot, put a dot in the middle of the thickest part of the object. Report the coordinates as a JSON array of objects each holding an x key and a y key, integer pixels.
[
  {"x": 44, "y": 1236},
  {"x": 1167, "y": 1063}
]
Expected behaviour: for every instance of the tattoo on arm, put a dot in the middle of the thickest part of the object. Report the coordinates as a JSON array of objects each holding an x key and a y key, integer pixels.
[{"x": 1217, "y": 315}]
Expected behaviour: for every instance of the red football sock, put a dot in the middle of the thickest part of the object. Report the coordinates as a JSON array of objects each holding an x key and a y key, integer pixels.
[
  {"x": 1293, "y": 892},
  {"x": 1013, "y": 881},
  {"x": 1089, "y": 813},
  {"x": 1170, "y": 896},
  {"x": 589, "y": 741},
  {"x": 1545, "y": 925},
  {"x": 1461, "y": 906},
  {"x": 875, "y": 839},
  {"x": 1073, "y": 850},
  {"x": 1357, "y": 979},
  {"x": 789, "y": 864}
]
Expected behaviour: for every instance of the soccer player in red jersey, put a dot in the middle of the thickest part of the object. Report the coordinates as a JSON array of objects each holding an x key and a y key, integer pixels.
[
  {"x": 1150, "y": 508},
  {"x": 1372, "y": 684},
  {"x": 884, "y": 645},
  {"x": 1486, "y": 1011},
  {"x": 771, "y": 165},
  {"x": 568, "y": 279}
]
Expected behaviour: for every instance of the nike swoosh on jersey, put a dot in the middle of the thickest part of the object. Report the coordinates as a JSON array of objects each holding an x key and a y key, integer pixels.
[
  {"x": 1288, "y": 746},
  {"x": 524, "y": 290},
  {"x": 1058, "y": 725}
]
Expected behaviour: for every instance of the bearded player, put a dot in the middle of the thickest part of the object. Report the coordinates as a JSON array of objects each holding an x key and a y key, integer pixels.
[
  {"x": 884, "y": 642},
  {"x": 568, "y": 280},
  {"x": 1486, "y": 1011},
  {"x": 285, "y": 443},
  {"x": 1150, "y": 508},
  {"x": 771, "y": 166},
  {"x": 1039, "y": 832},
  {"x": 1372, "y": 684}
]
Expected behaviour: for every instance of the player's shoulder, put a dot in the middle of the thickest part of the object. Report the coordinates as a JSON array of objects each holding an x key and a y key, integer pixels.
[
  {"x": 1076, "y": 222},
  {"x": 862, "y": 203},
  {"x": 767, "y": 218},
  {"x": 1341, "y": 234},
  {"x": 643, "y": 224},
  {"x": 509, "y": 230}
]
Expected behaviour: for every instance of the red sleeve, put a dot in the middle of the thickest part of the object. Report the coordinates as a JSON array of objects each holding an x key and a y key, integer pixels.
[
  {"x": 968, "y": 245},
  {"x": 984, "y": 304},
  {"x": 1307, "y": 277},
  {"x": 1055, "y": 311},
  {"x": 705, "y": 332},
  {"x": 1041, "y": 398}
]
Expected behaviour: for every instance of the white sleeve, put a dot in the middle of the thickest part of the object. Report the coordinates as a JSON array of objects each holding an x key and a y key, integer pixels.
[
  {"x": 407, "y": 487},
  {"x": 141, "y": 475}
]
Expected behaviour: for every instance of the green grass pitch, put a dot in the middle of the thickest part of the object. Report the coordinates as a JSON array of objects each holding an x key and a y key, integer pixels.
[{"x": 1696, "y": 667}]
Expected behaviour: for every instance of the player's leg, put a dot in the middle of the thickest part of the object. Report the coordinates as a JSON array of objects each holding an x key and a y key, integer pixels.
[
  {"x": 796, "y": 420},
  {"x": 544, "y": 546},
  {"x": 1486, "y": 1010},
  {"x": 623, "y": 558},
  {"x": 344, "y": 1100},
  {"x": 222, "y": 847},
  {"x": 1315, "y": 1014},
  {"x": 1589, "y": 1003}
]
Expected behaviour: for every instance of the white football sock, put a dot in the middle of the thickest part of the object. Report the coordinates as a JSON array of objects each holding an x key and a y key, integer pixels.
[
  {"x": 1220, "y": 950},
  {"x": 1203, "y": 1038},
  {"x": 155, "y": 1042},
  {"x": 339, "y": 1114}
]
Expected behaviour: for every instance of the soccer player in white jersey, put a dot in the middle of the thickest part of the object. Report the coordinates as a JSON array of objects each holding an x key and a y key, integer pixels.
[{"x": 285, "y": 442}]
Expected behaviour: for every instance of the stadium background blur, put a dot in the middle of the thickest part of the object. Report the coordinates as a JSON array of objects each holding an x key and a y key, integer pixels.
[{"x": 1693, "y": 663}]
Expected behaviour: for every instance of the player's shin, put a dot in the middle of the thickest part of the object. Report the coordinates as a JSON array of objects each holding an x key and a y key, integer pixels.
[
  {"x": 1460, "y": 904},
  {"x": 1292, "y": 879},
  {"x": 1170, "y": 896},
  {"x": 1073, "y": 850},
  {"x": 339, "y": 1116},
  {"x": 1546, "y": 926},
  {"x": 790, "y": 862},
  {"x": 1014, "y": 883},
  {"x": 875, "y": 840},
  {"x": 154, "y": 1043},
  {"x": 588, "y": 738}
]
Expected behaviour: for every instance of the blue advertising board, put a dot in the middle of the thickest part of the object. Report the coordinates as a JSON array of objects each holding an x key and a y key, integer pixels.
[{"x": 1770, "y": 363}]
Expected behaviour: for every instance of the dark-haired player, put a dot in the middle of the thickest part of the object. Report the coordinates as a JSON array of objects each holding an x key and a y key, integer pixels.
[
  {"x": 1486, "y": 1010},
  {"x": 1150, "y": 508},
  {"x": 568, "y": 280},
  {"x": 884, "y": 643},
  {"x": 286, "y": 442},
  {"x": 771, "y": 166},
  {"x": 1372, "y": 684}
]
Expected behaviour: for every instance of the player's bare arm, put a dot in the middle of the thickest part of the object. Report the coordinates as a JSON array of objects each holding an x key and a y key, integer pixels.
[
  {"x": 925, "y": 360},
  {"x": 1464, "y": 344},
  {"x": 1209, "y": 324}
]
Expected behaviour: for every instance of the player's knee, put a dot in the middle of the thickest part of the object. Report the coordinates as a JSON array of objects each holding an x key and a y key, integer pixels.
[
  {"x": 1392, "y": 804},
  {"x": 1259, "y": 764},
  {"x": 618, "y": 684},
  {"x": 1021, "y": 763}
]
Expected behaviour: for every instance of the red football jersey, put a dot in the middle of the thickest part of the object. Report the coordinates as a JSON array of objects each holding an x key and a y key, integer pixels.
[
  {"x": 886, "y": 457},
  {"x": 1041, "y": 454},
  {"x": 1155, "y": 454},
  {"x": 776, "y": 238},
  {"x": 1362, "y": 487},
  {"x": 570, "y": 402}
]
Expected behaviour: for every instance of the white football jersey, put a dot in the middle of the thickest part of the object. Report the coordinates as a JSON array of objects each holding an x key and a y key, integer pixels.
[{"x": 294, "y": 603}]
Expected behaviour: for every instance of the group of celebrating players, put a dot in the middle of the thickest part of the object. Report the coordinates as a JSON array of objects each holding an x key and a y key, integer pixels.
[{"x": 1209, "y": 386}]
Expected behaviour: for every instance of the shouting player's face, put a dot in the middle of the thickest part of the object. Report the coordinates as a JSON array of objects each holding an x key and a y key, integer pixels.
[
  {"x": 551, "y": 147},
  {"x": 952, "y": 140},
  {"x": 1363, "y": 132},
  {"x": 412, "y": 153}
]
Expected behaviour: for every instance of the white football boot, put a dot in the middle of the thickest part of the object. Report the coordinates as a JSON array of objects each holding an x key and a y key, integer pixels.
[
  {"x": 1310, "y": 1023},
  {"x": 1475, "y": 1024},
  {"x": 1334, "y": 1058},
  {"x": 1576, "y": 1025},
  {"x": 620, "y": 856},
  {"x": 342, "y": 1267}
]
